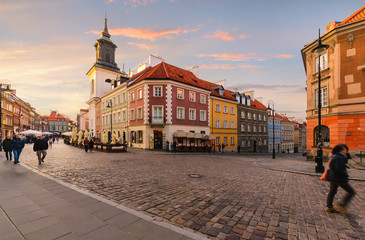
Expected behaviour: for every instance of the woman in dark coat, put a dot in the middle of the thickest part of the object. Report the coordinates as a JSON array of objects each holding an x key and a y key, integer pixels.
[
  {"x": 338, "y": 177},
  {"x": 8, "y": 148}
]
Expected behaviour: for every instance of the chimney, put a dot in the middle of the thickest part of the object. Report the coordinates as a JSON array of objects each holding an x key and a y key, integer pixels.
[{"x": 222, "y": 82}]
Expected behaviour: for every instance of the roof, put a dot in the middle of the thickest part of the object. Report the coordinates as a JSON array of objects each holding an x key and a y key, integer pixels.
[
  {"x": 356, "y": 16},
  {"x": 165, "y": 71},
  {"x": 257, "y": 104},
  {"x": 54, "y": 116}
]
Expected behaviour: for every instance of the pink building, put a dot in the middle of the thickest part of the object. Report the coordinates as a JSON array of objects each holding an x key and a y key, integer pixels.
[{"x": 165, "y": 101}]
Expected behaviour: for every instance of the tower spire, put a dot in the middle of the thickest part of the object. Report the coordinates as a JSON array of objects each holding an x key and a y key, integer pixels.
[{"x": 105, "y": 32}]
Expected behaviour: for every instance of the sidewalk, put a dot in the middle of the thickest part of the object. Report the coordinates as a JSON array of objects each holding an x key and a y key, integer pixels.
[
  {"x": 33, "y": 206},
  {"x": 298, "y": 164}
]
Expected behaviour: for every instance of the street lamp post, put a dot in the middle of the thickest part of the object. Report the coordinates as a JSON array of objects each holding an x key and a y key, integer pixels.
[
  {"x": 272, "y": 110},
  {"x": 110, "y": 105},
  {"x": 318, "y": 50},
  {"x": 6, "y": 90}
]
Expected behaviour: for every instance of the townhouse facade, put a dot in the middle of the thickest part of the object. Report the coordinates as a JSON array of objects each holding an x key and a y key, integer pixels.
[
  {"x": 287, "y": 134},
  {"x": 57, "y": 123},
  {"x": 274, "y": 133},
  {"x": 342, "y": 85}
]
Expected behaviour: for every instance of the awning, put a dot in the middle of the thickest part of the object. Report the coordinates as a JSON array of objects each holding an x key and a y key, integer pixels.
[
  {"x": 179, "y": 133},
  {"x": 208, "y": 137},
  {"x": 190, "y": 135},
  {"x": 198, "y": 135}
]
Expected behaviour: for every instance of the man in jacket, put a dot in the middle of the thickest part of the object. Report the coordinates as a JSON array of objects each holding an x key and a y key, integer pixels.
[
  {"x": 8, "y": 148},
  {"x": 17, "y": 145},
  {"x": 40, "y": 146}
]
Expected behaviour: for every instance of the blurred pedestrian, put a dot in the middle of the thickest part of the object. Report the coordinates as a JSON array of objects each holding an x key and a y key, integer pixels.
[
  {"x": 223, "y": 146},
  {"x": 238, "y": 148},
  {"x": 8, "y": 148},
  {"x": 50, "y": 142},
  {"x": 219, "y": 148},
  {"x": 40, "y": 146},
  {"x": 17, "y": 145},
  {"x": 86, "y": 144},
  {"x": 91, "y": 145},
  {"x": 174, "y": 146},
  {"x": 338, "y": 177}
]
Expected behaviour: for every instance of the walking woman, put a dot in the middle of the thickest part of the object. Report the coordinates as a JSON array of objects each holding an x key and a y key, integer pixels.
[
  {"x": 338, "y": 177},
  {"x": 18, "y": 145}
]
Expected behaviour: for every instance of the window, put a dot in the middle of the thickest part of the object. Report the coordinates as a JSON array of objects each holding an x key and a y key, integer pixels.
[
  {"x": 225, "y": 123},
  {"x": 243, "y": 114},
  {"x": 324, "y": 62},
  {"x": 123, "y": 97},
  {"x": 124, "y": 116},
  {"x": 254, "y": 116},
  {"x": 218, "y": 108},
  {"x": 242, "y": 128},
  {"x": 217, "y": 140},
  {"x": 118, "y": 99},
  {"x": 264, "y": 118},
  {"x": 248, "y": 115},
  {"x": 180, "y": 113},
  {"x": 132, "y": 114},
  {"x": 232, "y": 141},
  {"x": 113, "y": 100},
  {"x": 259, "y": 117},
  {"x": 203, "y": 115},
  {"x": 217, "y": 123},
  {"x": 225, "y": 109},
  {"x": 232, "y": 123},
  {"x": 248, "y": 143},
  {"x": 192, "y": 114},
  {"x": 157, "y": 91},
  {"x": 192, "y": 96},
  {"x": 232, "y": 110},
  {"x": 203, "y": 99},
  {"x": 157, "y": 114},
  {"x": 180, "y": 93},
  {"x": 139, "y": 137},
  {"x": 325, "y": 136},
  {"x": 248, "y": 128},
  {"x": 324, "y": 97},
  {"x": 254, "y": 129},
  {"x": 139, "y": 94},
  {"x": 260, "y": 128},
  {"x": 243, "y": 143},
  {"x": 132, "y": 97},
  {"x": 225, "y": 141},
  {"x": 139, "y": 113}
]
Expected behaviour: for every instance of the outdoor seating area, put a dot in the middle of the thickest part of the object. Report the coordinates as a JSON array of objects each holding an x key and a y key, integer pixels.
[{"x": 193, "y": 142}]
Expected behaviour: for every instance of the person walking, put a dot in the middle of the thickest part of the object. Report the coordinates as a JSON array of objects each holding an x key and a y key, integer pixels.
[
  {"x": 91, "y": 145},
  {"x": 86, "y": 144},
  {"x": 174, "y": 146},
  {"x": 17, "y": 145},
  {"x": 8, "y": 148},
  {"x": 223, "y": 146},
  {"x": 40, "y": 146},
  {"x": 238, "y": 148},
  {"x": 338, "y": 177}
]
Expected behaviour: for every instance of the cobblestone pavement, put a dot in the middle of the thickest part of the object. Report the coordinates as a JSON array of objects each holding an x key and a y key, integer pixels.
[{"x": 233, "y": 198}]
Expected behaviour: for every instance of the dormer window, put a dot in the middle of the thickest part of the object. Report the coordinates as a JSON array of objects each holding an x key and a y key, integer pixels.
[{"x": 220, "y": 91}]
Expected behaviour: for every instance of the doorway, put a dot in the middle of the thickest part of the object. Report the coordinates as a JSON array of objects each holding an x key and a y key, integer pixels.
[{"x": 157, "y": 137}]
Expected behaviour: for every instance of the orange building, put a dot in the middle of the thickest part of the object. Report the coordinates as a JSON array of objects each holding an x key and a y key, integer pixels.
[{"x": 342, "y": 69}]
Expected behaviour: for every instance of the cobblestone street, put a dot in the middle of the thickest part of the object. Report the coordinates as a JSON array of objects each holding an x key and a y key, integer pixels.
[{"x": 231, "y": 198}]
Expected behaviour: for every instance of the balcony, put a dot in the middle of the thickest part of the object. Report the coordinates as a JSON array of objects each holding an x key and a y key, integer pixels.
[{"x": 157, "y": 121}]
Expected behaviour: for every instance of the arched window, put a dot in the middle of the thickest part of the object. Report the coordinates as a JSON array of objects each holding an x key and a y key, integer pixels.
[{"x": 325, "y": 136}]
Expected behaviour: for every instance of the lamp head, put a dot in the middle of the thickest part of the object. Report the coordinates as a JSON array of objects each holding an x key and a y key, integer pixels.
[
  {"x": 7, "y": 89},
  {"x": 320, "y": 48},
  {"x": 108, "y": 80}
]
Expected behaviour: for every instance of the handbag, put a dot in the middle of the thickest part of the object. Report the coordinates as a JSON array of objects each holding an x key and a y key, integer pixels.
[{"x": 324, "y": 176}]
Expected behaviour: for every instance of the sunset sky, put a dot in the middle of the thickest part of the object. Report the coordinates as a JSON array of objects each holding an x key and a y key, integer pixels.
[{"x": 46, "y": 47}]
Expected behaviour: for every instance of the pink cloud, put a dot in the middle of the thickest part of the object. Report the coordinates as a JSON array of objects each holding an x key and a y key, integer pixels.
[
  {"x": 141, "y": 45},
  {"x": 141, "y": 33},
  {"x": 242, "y": 36},
  {"x": 225, "y": 66},
  {"x": 228, "y": 56},
  {"x": 136, "y": 3},
  {"x": 280, "y": 55},
  {"x": 220, "y": 34}
]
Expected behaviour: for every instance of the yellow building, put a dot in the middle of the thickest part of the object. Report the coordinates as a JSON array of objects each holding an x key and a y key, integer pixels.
[{"x": 223, "y": 118}]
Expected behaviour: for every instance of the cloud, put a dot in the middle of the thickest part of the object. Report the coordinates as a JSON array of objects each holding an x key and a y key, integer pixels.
[
  {"x": 242, "y": 36},
  {"x": 280, "y": 55},
  {"x": 228, "y": 56},
  {"x": 142, "y": 33},
  {"x": 294, "y": 89},
  {"x": 225, "y": 66},
  {"x": 136, "y": 3},
  {"x": 143, "y": 46},
  {"x": 220, "y": 35}
]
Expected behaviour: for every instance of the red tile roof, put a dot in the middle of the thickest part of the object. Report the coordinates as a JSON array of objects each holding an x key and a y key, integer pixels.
[
  {"x": 54, "y": 116},
  {"x": 165, "y": 71},
  {"x": 356, "y": 16},
  {"x": 257, "y": 104}
]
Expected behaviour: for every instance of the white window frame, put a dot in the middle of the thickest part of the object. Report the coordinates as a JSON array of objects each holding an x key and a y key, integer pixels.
[
  {"x": 155, "y": 92},
  {"x": 324, "y": 62},
  {"x": 242, "y": 128},
  {"x": 232, "y": 123},
  {"x": 139, "y": 113},
  {"x": 232, "y": 110},
  {"x": 139, "y": 94},
  {"x": 192, "y": 116},
  {"x": 182, "y": 113},
  {"x": 217, "y": 123},
  {"x": 203, "y": 98},
  {"x": 203, "y": 115},
  {"x": 217, "y": 107},
  {"x": 192, "y": 96},
  {"x": 225, "y": 123},
  {"x": 132, "y": 115},
  {"x": 225, "y": 141},
  {"x": 324, "y": 97},
  {"x": 225, "y": 109},
  {"x": 124, "y": 115},
  {"x": 243, "y": 113},
  {"x": 180, "y": 96},
  {"x": 132, "y": 97},
  {"x": 232, "y": 141}
]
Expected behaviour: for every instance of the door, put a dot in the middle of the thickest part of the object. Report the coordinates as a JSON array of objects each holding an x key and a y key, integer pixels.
[
  {"x": 157, "y": 139},
  {"x": 254, "y": 146}
]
